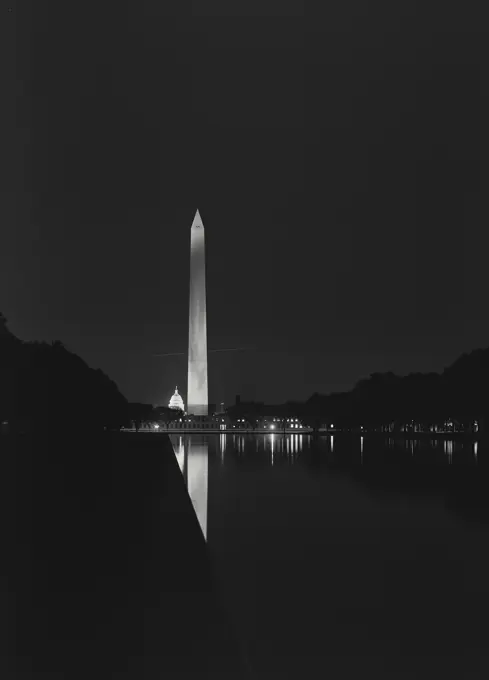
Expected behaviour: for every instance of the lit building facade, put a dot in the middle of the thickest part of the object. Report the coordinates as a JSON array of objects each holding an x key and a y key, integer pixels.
[{"x": 176, "y": 401}]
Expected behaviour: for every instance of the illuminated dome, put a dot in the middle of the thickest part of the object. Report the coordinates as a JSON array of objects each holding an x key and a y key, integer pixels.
[{"x": 176, "y": 401}]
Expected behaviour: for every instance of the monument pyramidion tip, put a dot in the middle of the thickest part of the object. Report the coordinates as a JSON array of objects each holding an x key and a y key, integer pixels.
[{"x": 197, "y": 220}]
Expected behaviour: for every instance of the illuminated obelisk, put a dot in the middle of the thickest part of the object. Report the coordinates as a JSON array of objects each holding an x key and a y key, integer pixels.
[{"x": 197, "y": 393}]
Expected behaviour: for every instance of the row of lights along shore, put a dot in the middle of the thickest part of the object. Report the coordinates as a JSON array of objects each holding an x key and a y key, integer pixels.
[{"x": 277, "y": 421}]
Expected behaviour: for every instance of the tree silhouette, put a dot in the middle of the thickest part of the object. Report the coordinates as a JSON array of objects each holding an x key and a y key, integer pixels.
[{"x": 47, "y": 387}]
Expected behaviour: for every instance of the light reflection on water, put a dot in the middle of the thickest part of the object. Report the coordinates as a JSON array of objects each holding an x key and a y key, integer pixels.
[
  {"x": 291, "y": 445},
  {"x": 322, "y": 507},
  {"x": 192, "y": 453},
  {"x": 448, "y": 449},
  {"x": 178, "y": 447},
  {"x": 325, "y": 505},
  {"x": 222, "y": 446}
]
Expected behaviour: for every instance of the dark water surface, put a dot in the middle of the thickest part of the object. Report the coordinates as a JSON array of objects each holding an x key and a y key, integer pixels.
[
  {"x": 104, "y": 571},
  {"x": 348, "y": 557}
]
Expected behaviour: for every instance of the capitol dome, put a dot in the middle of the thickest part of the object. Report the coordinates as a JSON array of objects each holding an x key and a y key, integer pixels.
[{"x": 176, "y": 401}]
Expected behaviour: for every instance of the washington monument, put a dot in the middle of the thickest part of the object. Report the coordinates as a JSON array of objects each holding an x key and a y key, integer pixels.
[{"x": 197, "y": 392}]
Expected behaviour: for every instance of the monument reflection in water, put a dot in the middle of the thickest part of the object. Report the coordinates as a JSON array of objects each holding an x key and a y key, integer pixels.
[{"x": 192, "y": 456}]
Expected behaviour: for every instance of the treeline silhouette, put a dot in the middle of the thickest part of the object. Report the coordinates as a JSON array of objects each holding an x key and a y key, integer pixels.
[
  {"x": 45, "y": 387},
  {"x": 142, "y": 414},
  {"x": 459, "y": 393}
]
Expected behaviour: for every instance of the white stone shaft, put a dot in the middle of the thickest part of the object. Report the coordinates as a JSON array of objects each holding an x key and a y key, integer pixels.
[{"x": 197, "y": 393}]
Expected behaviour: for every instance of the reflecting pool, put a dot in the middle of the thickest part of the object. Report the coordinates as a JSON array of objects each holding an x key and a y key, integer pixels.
[{"x": 348, "y": 555}]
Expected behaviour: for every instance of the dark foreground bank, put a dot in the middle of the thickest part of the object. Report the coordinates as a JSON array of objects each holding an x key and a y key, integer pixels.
[{"x": 106, "y": 572}]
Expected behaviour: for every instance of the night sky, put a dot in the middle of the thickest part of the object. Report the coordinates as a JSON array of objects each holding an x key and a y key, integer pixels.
[{"x": 337, "y": 153}]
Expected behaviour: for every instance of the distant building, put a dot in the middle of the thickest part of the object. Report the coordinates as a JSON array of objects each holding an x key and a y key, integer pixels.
[
  {"x": 176, "y": 401},
  {"x": 200, "y": 423},
  {"x": 279, "y": 423}
]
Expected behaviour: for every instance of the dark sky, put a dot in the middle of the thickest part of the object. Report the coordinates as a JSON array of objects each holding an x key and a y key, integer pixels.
[{"x": 337, "y": 153}]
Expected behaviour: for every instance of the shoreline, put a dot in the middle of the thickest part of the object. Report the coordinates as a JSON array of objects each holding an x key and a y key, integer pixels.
[{"x": 321, "y": 433}]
